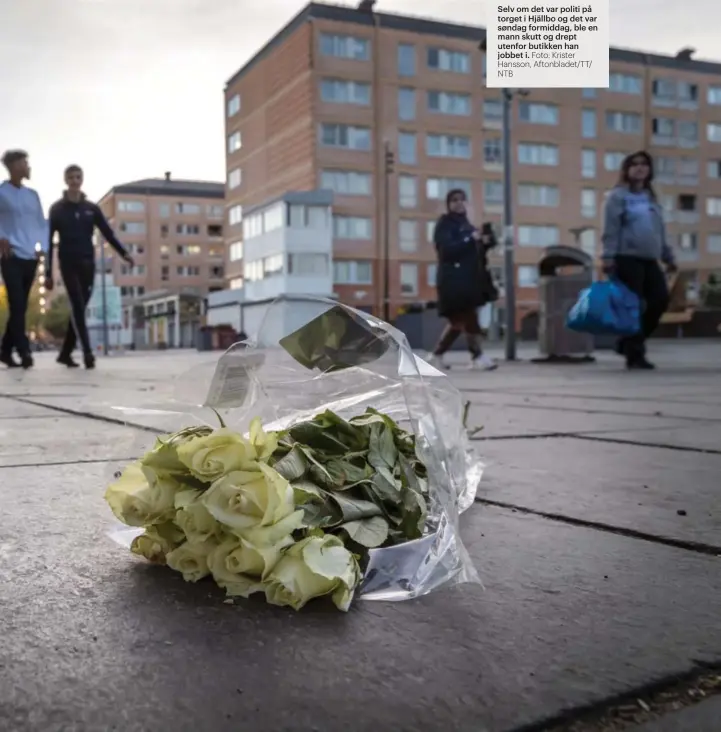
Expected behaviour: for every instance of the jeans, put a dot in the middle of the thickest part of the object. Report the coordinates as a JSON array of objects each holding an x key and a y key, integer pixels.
[
  {"x": 647, "y": 280},
  {"x": 78, "y": 276},
  {"x": 18, "y": 275}
]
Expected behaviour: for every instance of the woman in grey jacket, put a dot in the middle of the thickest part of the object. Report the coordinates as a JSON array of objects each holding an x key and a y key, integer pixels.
[{"x": 634, "y": 240}]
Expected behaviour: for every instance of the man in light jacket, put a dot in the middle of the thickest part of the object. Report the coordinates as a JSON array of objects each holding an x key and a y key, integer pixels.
[{"x": 22, "y": 228}]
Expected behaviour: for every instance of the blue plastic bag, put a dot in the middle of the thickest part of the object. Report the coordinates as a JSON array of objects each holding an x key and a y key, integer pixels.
[{"x": 606, "y": 308}]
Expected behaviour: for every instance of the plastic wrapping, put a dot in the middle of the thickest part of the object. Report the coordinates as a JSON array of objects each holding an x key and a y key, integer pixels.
[{"x": 313, "y": 355}]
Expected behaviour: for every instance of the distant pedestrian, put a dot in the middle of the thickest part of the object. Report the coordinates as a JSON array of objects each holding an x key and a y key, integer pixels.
[
  {"x": 464, "y": 281},
  {"x": 22, "y": 228},
  {"x": 634, "y": 240},
  {"x": 74, "y": 219}
]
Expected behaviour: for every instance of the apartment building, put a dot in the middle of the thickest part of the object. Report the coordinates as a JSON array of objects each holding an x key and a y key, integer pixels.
[
  {"x": 315, "y": 106},
  {"x": 174, "y": 230}
]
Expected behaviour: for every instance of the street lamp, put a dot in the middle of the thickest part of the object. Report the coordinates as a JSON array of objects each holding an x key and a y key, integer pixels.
[
  {"x": 389, "y": 162},
  {"x": 509, "y": 266}
]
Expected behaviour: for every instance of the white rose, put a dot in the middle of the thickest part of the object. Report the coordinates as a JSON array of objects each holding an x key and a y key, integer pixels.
[
  {"x": 234, "y": 583},
  {"x": 314, "y": 567},
  {"x": 245, "y": 500},
  {"x": 163, "y": 458},
  {"x": 157, "y": 542},
  {"x": 140, "y": 497},
  {"x": 211, "y": 456},
  {"x": 191, "y": 559},
  {"x": 264, "y": 443},
  {"x": 193, "y": 517}
]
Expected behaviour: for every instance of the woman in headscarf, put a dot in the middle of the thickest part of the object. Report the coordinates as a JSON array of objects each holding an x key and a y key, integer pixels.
[
  {"x": 634, "y": 240},
  {"x": 463, "y": 280}
]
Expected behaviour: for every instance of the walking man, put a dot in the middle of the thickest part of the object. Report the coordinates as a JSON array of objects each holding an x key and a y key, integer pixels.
[
  {"x": 22, "y": 228},
  {"x": 74, "y": 219}
]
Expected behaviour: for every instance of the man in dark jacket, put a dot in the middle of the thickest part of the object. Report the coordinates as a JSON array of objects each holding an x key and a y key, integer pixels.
[
  {"x": 74, "y": 218},
  {"x": 463, "y": 280}
]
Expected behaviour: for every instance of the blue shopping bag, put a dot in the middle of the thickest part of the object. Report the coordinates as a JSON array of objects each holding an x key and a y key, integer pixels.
[{"x": 606, "y": 308}]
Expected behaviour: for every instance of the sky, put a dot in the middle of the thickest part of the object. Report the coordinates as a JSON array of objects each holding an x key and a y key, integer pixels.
[{"x": 131, "y": 88}]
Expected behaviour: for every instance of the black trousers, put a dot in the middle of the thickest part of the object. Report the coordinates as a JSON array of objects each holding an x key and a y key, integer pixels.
[
  {"x": 78, "y": 276},
  {"x": 646, "y": 278},
  {"x": 18, "y": 275}
]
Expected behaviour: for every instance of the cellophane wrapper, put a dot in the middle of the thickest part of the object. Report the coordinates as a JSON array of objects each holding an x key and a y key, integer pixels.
[{"x": 313, "y": 355}]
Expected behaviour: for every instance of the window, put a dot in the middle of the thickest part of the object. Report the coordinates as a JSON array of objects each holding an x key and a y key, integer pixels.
[
  {"x": 273, "y": 218},
  {"x": 137, "y": 271},
  {"x": 713, "y": 131},
  {"x": 347, "y": 136},
  {"x": 664, "y": 91},
  {"x": 533, "y": 194},
  {"x": 687, "y": 202},
  {"x": 273, "y": 265},
  {"x": 235, "y": 251},
  {"x": 537, "y": 154},
  {"x": 688, "y": 167},
  {"x": 351, "y": 272},
  {"x": 406, "y": 104},
  {"x": 235, "y": 215},
  {"x": 301, "y": 217},
  {"x": 165, "y": 272},
  {"x": 493, "y": 150},
  {"x": 713, "y": 169},
  {"x": 538, "y": 114},
  {"x": 188, "y": 251},
  {"x": 308, "y": 265},
  {"x": 234, "y": 105},
  {"x": 407, "y": 235},
  {"x": 234, "y": 142},
  {"x": 164, "y": 210},
  {"x": 449, "y": 103},
  {"x": 492, "y": 192},
  {"x": 406, "y": 59},
  {"x": 588, "y": 163},
  {"x": 625, "y": 83},
  {"x": 407, "y": 148},
  {"x": 527, "y": 276},
  {"x": 589, "y": 93},
  {"x": 352, "y": 227},
  {"x": 713, "y": 95},
  {"x": 345, "y": 92},
  {"x": 588, "y": 124},
  {"x": 432, "y": 275},
  {"x": 448, "y": 146},
  {"x": 346, "y": 182},
  {"x": 430, "y": 231},
  {"x": 215, "y": 211},
  {"x": 713, "y": 243},
  {"x": 357, "y": 49},
  {"x": 687, "y": 92},
  {"x": 713, "y": 206},
  {"x": 492, "y": 110},
  {"x": 252, "y": 226},
  {"x": 187, "y": 229},
  {"x": 190, "y": 271},
  {"x": 407, "y": 191},
  {"x": 612, "y": 161},
  {"x": 588, "y": 203},
  {"x": 409, "y": 278},
  {"x": 457, "y": 62},
  {"x": 538, "y": 236},
  {"x": 688, "y": 241},
  {"x": 187, "y": 209},
  {"x": 437, "y": 188},
  {"x": 131, "y": 206},
  {"x": 663, "y": 128},
  {"x": 235, "y": 178},
  {"x": 629, "y": 123},
  {"x": 688, "y": 133},
  {"x": 132, "y": 227},
  {"x": 236, "y": 283}
]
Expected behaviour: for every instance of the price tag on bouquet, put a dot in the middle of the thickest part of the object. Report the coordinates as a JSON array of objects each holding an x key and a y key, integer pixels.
[{"x": 233, "y": 379}]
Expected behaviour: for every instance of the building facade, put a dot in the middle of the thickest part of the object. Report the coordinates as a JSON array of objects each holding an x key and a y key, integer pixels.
[{"x": 316, "y": 105}]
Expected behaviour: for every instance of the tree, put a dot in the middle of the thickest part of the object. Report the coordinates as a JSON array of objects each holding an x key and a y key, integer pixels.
[{"x": 56, "y": 318}]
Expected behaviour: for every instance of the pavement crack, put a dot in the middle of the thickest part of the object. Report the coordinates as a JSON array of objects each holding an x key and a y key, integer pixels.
[
  {"x": 55, "y": 463},
  {"x": 692, "y": 546},
  {"x": 591, "y": 437}
]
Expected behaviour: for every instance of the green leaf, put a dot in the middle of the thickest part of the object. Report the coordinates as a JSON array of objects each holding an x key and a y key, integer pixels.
[
  {"x": 304, "y": 491},
  {"x": 345, "y": 474},
  {"x": 414, "y": 514},
  {"x": 370, "y": 532},
  {"x": 355, "y": 509},
  {"x": 311, "y": 434},
  {"x": 292, "y": 466}
]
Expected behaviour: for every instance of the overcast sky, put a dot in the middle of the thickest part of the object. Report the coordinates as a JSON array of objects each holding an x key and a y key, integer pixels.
[{"x": 131, "y": 88}]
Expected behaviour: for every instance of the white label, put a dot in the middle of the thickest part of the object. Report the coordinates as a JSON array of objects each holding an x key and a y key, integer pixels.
[
  {"x": 547, "y": 45},
  {"x": 232, "y": 379}
]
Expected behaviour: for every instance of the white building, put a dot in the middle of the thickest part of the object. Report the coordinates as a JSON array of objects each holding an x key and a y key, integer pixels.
[{"x": 287, "y": 250}]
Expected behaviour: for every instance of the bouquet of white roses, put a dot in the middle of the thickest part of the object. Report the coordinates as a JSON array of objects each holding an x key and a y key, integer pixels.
[{"x": 323, "y": 493}]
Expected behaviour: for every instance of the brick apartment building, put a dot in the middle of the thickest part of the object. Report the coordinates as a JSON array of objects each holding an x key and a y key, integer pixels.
[
  {"x": 174, "y": 229},
  {"x": 313, "y": 108}
]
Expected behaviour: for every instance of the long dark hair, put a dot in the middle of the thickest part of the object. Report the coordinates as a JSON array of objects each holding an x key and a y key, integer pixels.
[
  {"x": 626, "y": 166},
  {"x": 451, "y": 194}
]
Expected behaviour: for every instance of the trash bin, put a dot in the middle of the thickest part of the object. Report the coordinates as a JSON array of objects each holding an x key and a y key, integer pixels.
[
  {"x": 558, "y": 292},
  {"x": 204, "y": 338}
]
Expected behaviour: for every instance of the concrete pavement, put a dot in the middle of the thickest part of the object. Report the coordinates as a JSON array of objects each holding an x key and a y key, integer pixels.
[{"x": 597, "y": 534}]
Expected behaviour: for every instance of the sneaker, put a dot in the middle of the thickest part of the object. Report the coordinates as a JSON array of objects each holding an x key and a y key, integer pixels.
[
  {"x": 27, "y": 362},
  {"x": 9, "y": 361},
  {"x": 89, "y": 361},
  {"x": 640, "y": 364},
  {"x": 67, "y": 361},
  {"x": 483, "y": 363}
]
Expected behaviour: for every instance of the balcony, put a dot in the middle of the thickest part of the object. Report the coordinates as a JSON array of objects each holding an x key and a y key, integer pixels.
[
  {"x": 686, "y": 254},
  {"x": 687, "y": 217},
  {"x": 688, "y": 179},
  {"x": 663, "y": 140},
  {"x": 664, "y": 101},
  {"x": 687, "y": 142}
]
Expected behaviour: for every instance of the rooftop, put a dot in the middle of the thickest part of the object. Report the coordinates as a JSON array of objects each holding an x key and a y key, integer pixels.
[
  {"x": 167, "y": 186},
  {"x": 351, "y": 14}
]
